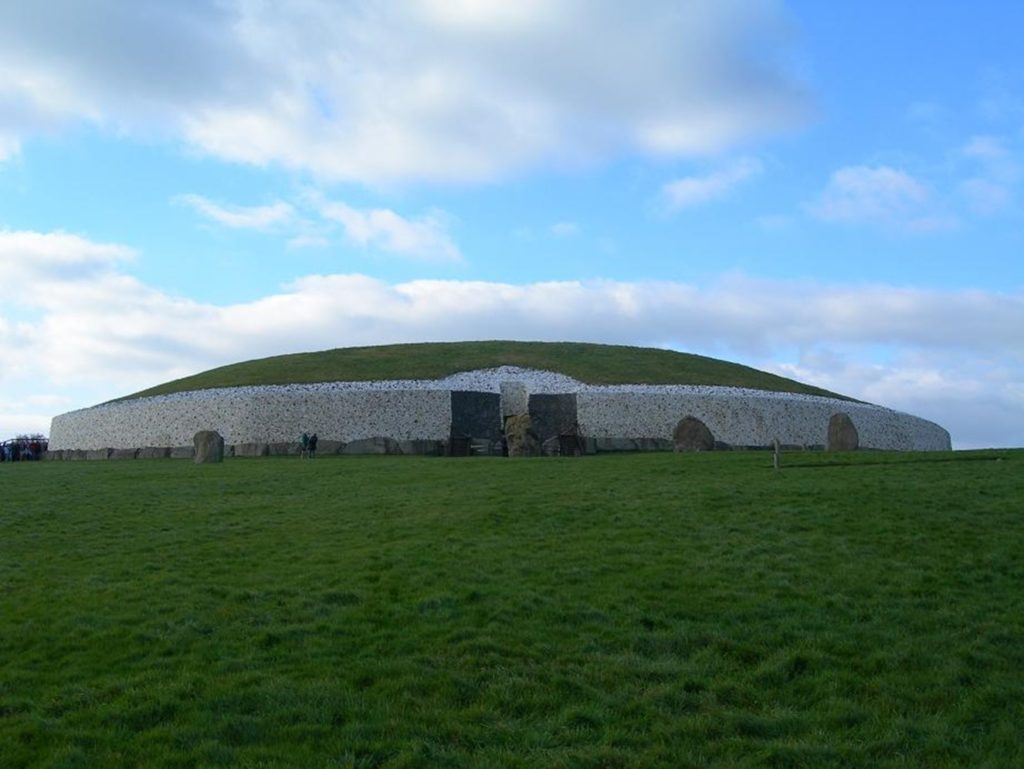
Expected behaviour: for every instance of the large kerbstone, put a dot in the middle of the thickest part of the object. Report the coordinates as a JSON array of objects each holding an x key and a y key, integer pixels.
[
  {"x": 520, "y": 437},
  {"x": 842, "y": 433},
  {"x": 154, "y": 452},
  {"x": 692, "y": 435},
  {"x": 251, "y": 450},
  {"x": 209, "y": 447},
  {"x": 376, "y": 445}
]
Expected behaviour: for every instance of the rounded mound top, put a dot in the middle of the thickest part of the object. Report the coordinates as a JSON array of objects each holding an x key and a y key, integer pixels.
[{"x": 596, "y": 364}]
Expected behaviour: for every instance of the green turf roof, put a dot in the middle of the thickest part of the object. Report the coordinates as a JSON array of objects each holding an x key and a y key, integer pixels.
[{"x": 590, "y": 363}]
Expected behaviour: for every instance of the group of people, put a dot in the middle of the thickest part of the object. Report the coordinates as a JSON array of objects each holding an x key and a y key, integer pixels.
[
  {"x": 307, "y": 444},
  {"x": 24, "y": 448}
]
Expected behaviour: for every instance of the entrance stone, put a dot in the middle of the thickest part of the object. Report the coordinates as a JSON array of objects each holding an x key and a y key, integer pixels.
[{"x": 519, "y": 435}]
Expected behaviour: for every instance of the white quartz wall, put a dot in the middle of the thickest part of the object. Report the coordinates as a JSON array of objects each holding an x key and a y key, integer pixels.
[
  {"x": 741, "y": 418},
  {"x": 421, "y": 410},
  {"x": 257, "y": 415}
]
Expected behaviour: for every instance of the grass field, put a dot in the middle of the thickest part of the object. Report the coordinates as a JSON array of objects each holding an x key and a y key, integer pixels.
[
  {"x": 658, "y": 610},
  {"x": 591, "y": 363}
]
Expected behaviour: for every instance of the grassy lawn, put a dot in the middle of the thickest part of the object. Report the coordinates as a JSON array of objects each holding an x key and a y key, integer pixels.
[
  {"x": 658, "y": 610},
  {"x": 592, "y": 363}
]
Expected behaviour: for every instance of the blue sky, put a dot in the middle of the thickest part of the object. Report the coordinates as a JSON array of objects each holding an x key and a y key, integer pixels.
[{"x": 830, "y": 191}]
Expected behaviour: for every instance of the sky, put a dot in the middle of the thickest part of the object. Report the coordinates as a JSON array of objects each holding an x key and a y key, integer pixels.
[{"x": 831, "y": 191}]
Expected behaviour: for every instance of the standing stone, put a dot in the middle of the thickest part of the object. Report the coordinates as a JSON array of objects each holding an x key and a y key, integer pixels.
[
  {"x": 522, "y": 440},
  {"x": 842, "y": 434},
  {"x": 209, "y": 447},
  {"x": 692, "y": 435}
]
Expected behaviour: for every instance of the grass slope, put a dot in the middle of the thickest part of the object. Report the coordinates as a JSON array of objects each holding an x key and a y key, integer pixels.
[
  {"x": 591, "y": 363},
  {"x": 617, "y": 611}
]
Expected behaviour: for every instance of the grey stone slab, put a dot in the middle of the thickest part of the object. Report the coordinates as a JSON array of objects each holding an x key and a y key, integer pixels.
[
  {"x": 154, "y": 452},
  {"x": 476, "y": 414},
  {"x": 251, "y": 450},
  {"x": 553, "y": 414}
]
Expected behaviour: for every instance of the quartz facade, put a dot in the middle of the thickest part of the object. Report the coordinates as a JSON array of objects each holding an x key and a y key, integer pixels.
[{"x": 418, "y": 413}]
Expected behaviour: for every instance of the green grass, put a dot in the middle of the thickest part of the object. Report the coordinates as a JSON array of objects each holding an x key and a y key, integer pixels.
[
  {"x": 654, "y": 610},
  {"x": 591, "y": 363}
]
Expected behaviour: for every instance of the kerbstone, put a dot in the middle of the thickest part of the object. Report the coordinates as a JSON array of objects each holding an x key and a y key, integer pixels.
[
  {"x": 842, "y": 433},
  {"x": 209, "y": 447},
  {"x": 692, "y": 435}
]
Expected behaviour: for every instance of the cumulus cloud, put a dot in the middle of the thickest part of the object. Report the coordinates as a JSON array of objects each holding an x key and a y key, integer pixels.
[
  {"x": 309, "y": 224},
  {"x": 405, "y": 90},
  {"x": 95, "y": 333},
  {"x": 879, "y": 195},
  {"x": 997, "y": 172},
  {"x": 239, "y": 217},
  {"x": 425, "y": 237},
  {"x": 35, "y": 265},
  {"x": 694, "y": 190},
  {"x": 985, "y": 197},
  {"x": 564, "y": 229}
]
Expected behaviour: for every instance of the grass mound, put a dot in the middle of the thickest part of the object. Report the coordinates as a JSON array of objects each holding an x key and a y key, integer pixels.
[
  {"x": 591, "y": 363},
  {"x": 616, "y": 611}
]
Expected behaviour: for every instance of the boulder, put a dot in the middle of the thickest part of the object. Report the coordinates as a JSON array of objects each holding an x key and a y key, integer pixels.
[
  {"x": 209, "y": 447},
  {"x": 519, "y": 435},
  {"x": 692, "y": 435},
  {"x": 842, "y": 433},
  {"x": 182, "y": 452},
  {"x": 124, "y": 453}
]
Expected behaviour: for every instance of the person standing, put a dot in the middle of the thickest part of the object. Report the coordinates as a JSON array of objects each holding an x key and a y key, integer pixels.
[
  {"x": 312, "y": 445},
  {"x": 304, "y": 446}
]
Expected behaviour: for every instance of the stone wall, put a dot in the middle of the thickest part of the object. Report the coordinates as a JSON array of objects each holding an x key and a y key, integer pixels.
[
  {"x": 743, "y": 419},
  {"x": 414, "y": 416}
]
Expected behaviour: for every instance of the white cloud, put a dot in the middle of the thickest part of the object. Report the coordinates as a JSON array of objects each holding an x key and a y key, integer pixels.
[
  {"x": 94, "y": 334},
  {"x": 694, "y": 190},
  {"x": 565, "y": 229},
  {"x": 396, "y": 91},
  {"x": 240, "y": 217},
  {"x": 425, "y": 237},
  {"x": 997, "y": 170},
  {"x": 310, "y": 223},
  {"x": 879, "y": 195},
  {"x": 985, "y": 197},
  {"x": 33, "y": 265},
  {"x": 989, "y": 148}
]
